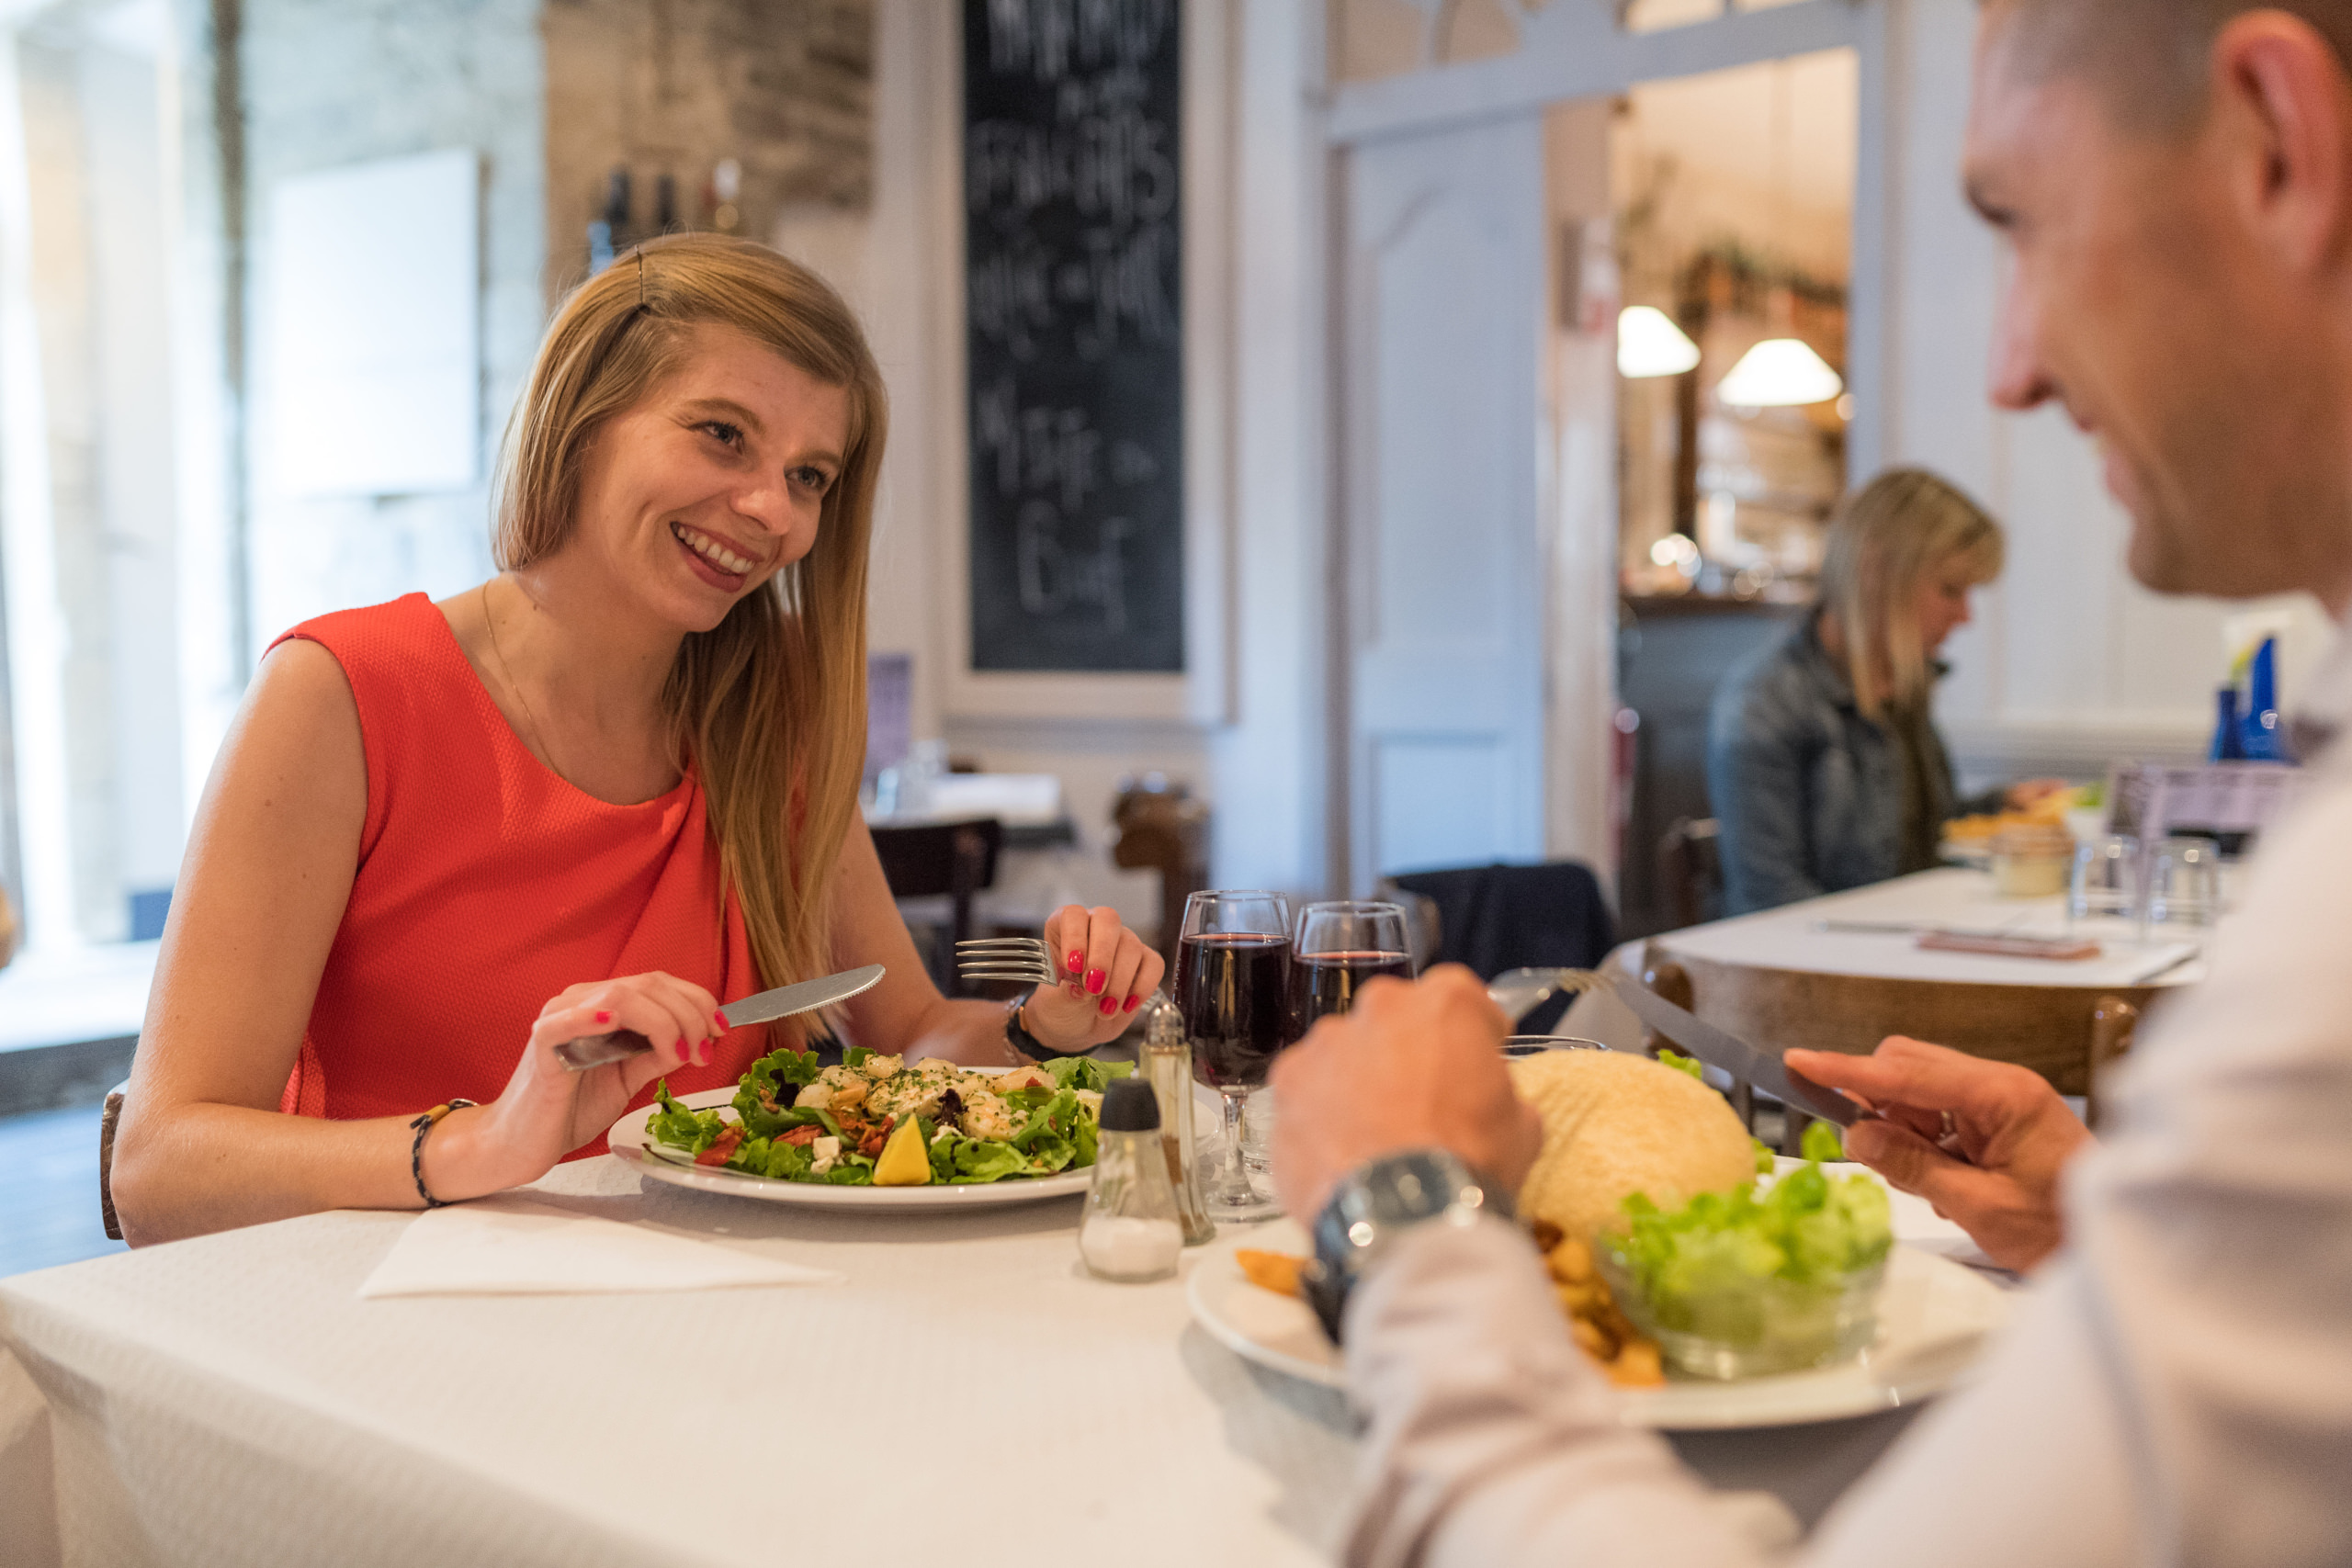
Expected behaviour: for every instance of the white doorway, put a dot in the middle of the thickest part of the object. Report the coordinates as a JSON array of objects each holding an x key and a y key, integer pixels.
[
  {"x": 1476, "y": 533},
  {"x": 1442, "y": 342}
]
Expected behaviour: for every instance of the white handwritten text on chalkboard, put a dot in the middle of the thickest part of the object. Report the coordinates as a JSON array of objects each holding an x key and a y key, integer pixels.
[{"x": 1073, "y": 202}]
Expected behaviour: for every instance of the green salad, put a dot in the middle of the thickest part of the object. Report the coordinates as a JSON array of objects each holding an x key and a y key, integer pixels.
[
  {"x": 848, "y": 1126},
  {"x": 1748, "y": 1282},
  {"x": 1808, "y": 1228}
]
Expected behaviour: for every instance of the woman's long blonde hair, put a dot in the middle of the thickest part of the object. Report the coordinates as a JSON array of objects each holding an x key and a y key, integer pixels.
[
  {"x": 769, "y": 706},
  {"x": 1886, "y": 539}
]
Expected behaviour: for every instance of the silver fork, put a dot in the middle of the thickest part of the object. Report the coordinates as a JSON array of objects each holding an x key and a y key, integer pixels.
[
  {"x": 1521, "y": 991},
  {"x": 1015, "y": 958}
]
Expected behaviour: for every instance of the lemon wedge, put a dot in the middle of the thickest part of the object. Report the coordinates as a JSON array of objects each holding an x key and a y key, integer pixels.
[{"x": 904, "y": 1162}]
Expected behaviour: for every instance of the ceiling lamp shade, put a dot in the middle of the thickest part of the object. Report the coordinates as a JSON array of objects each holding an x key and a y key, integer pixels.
[
  {"x": 1649, "y": 344},
  {"x": 1780, "y": 372}
]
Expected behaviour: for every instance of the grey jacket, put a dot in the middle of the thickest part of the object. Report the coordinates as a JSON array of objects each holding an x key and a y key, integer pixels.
[{"x": 1808, "y": 792}]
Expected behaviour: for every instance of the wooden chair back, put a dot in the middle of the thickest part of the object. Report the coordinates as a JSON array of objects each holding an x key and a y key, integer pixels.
[
  {"x": 108, "y": 1119},
  {"x": 954, "y": 860},
  {"x": 1690, "y": 871},
  {"x": 2067, "y": 1033},
  {"x": 1161, "y": 827}
]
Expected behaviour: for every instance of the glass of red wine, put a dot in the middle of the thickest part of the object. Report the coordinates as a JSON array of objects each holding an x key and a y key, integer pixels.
[
  {"x": 1232, "y": 988},
  {"x": 1339, "y": 947}
]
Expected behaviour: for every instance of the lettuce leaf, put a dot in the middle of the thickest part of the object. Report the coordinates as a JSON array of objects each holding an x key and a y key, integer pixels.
[
  {"x": 1821, "y": 1141},
  {"x": 1085, "y": 1072},
  {"x": 680, "y": 1128},
  {"x": 787, "y": 1162},
  {"x": 974, "y": 1161},
  {"x": 850, "y": 1170}
]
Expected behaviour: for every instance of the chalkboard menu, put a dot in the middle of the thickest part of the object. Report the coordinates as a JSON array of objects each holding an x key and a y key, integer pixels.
[{"x": 1073, "y": 289}]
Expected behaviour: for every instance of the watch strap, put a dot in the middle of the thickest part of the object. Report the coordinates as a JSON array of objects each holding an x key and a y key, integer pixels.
[
  {"x": 1386, "y": 1197},
  {"x": 1017, "y": 1035}
]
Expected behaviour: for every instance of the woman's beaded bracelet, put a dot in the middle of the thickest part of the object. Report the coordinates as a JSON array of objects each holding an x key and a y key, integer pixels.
[{"x": 425, "y": 1125}]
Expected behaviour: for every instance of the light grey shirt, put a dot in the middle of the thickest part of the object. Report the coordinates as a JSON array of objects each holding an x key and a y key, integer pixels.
[{"x": 2175, "y": 1388}]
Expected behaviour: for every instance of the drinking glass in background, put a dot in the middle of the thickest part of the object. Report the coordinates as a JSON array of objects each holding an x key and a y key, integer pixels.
[
  {"x": 2183, "y": 889},
  {"x": 1232, "y": 988},
  {"x": 2107, "y": 879},
  {"x": 1339, "y": 947}
]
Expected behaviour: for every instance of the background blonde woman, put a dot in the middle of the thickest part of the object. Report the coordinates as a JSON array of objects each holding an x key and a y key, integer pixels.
[
  {"x": 1823, "y": 761},
  {"x": 615, "y": 786}
]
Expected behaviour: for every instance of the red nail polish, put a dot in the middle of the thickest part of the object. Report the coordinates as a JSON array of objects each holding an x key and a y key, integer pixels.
[
  {"x": 1076, "y": 989},
  {"x": 1075, "y": 958},
  {"x": 603, "y": 1016},
  {"x": 1132, "y": 1003},
  {"x": 1110, "y": 1006},
  {"x": 721, "y": 1016},
  {"x": 1096, "y": 979}
]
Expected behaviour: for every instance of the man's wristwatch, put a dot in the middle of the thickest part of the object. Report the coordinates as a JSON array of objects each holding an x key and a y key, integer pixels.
[{"x": 1390, "y": 1195}]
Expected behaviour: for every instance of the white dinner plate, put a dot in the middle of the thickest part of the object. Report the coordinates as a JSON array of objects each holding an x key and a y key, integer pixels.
[
  {"x": 1933, "y": 1318},
  {"x": 628, "y": 1142}
]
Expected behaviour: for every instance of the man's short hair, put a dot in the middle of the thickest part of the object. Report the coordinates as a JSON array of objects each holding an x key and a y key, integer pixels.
[{"x": 2148, "y": 57}]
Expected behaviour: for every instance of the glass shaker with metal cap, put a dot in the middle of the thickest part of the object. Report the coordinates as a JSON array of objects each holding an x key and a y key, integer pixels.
[
  {"x": 1129, "y": 1230},
  {"x": 1166, "y": 1064}
]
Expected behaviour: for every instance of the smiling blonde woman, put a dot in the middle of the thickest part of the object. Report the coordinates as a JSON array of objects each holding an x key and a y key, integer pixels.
[
  {"x": 612, "y": 787},
  {"x": 1823, "y": 766}
]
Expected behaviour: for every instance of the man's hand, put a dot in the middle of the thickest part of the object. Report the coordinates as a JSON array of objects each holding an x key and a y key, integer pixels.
[
  {"x": 2010, "y": 1125},
  {"x": 1410, "y": 1066}
]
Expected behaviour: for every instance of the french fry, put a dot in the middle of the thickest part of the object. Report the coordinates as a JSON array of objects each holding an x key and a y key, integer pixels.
[{"x": 1276, "y": 1271}]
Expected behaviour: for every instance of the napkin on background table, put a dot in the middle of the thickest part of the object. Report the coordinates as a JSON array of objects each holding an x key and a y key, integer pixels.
[{"x": 514, "y": 1246}]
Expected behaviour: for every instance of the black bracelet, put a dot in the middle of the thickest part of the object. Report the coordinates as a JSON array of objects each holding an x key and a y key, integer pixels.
[
  {"x": 424, "y": 1125},
  {"x": 1017, "y": 1035}
]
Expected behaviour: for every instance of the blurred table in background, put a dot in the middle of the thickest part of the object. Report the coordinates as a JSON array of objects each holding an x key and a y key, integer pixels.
[{"x": 1811, "y": 974}]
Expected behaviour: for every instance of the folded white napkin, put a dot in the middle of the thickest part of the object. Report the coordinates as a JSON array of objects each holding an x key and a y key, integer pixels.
[{"x": 514, "y": 1246}]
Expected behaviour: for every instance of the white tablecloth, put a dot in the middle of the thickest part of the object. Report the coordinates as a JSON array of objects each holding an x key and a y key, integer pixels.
[
  {"x": 969, "y": 1396},
  {"x": 1792, "y": 937}
]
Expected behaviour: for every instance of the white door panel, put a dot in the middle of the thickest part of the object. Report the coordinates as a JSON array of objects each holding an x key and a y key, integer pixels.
[
  {"x": 1441, "y": 365},
  {"x": 1438, "y": 800}
]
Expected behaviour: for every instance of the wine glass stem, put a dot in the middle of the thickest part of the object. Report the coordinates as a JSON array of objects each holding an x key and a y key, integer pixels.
[{"x": 1233, "y": 1185}]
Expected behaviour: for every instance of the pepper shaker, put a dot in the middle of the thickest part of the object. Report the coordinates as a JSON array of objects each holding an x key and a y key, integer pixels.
[
  {"x": 1129, "y": 1230},
  {"x": 1166, "y": 1064}
]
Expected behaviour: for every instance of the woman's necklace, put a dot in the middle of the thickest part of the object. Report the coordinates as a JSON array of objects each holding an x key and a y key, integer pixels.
[{"x": 516, "y": 686}]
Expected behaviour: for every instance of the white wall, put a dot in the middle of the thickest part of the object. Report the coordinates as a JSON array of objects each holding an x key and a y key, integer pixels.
[{"x": 324, "y": 88}]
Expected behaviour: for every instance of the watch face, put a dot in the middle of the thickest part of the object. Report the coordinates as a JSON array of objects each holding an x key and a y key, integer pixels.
[{"x": 1391, "y": 1194}]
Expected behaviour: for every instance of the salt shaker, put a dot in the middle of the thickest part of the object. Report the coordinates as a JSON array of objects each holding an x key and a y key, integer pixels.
[
  {"x": 1167, "y": 1063},
  {"x": 1130, "y": 1231}
]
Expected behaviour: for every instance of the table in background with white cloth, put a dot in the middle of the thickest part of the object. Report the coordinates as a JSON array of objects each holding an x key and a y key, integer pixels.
[
  {"x": 1793, "y": 938},
  {"x": 967, "y": 1393}
]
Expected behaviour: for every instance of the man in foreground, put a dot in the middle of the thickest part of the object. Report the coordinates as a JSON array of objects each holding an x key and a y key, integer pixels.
[{"x": 2175, "y": 180}]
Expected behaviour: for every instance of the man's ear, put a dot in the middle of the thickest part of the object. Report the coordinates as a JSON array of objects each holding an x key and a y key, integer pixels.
[{"x": 2283, "y": 86}]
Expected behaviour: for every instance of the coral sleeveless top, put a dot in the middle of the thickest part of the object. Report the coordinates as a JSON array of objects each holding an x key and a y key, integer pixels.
[{"x": 487, "y": 885}]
